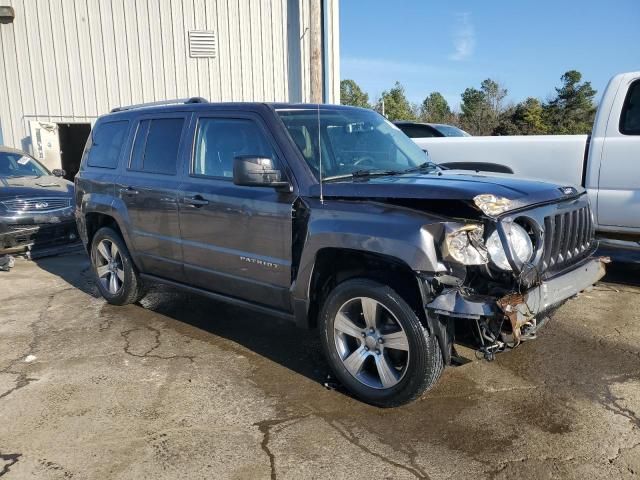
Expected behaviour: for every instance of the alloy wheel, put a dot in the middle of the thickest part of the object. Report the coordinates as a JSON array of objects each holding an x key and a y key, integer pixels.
[
  {"x": 371, "y": 343},
  {"x": 109, "y": 267}
]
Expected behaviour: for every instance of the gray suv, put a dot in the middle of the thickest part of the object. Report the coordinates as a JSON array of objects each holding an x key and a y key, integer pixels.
[{"x": 333, "y": 218}]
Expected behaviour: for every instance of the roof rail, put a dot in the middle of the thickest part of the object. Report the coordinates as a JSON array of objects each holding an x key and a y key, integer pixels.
[{"x": 177, "y": 101}]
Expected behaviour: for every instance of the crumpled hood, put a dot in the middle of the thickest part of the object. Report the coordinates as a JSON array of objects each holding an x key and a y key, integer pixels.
[
  {"x": 46, "y": 186},
  {"x": 449, "y": 185}
]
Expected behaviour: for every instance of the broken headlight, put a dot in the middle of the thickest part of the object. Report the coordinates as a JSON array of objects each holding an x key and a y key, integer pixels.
[
  {"x": 466, "y": 245},
  {"x": 492, "y": 205},
  {"x": 520, "y": 242}
]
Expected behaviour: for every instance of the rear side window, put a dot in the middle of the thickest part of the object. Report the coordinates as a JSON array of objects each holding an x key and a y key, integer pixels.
[
  {"x": 630, "y": 118},
  {"x": 220, "y": 140},
  {"x": 155, "y": 149},
  {"x": 106, "y": 144}
]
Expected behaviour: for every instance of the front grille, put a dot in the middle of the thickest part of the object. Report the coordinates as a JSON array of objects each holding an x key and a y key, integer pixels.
[
  {"x": 567, "y": 237},
  {"x": 37, "y": 205},
  {"x": 18, "y": 228}
]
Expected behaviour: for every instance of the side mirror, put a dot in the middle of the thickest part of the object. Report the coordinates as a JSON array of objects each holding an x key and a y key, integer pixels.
[
  {"x": 253, "y": 171},
  {"x": 58, "y": 172}
]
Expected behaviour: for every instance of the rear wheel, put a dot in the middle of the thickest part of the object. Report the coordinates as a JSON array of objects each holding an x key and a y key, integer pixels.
[
  {"x": 117, "y": 278},
  {"x": 376, "y": 344}
]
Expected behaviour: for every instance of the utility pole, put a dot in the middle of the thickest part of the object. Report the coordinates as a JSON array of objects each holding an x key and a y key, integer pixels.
[{"x": 315, "y": 40}]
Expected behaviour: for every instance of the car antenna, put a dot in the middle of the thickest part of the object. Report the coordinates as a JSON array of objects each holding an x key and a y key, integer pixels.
[{"x": 320, "y": 155}]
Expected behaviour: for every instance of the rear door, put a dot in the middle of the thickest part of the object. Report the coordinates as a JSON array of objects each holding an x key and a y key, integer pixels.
[
  {"x": 236, "y": 240},
  {"x": 619, "y": 182},
  {"x": 149, "y": 189}
]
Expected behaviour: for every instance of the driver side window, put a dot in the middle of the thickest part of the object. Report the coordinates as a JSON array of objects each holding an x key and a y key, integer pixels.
[{"x": 220, "y": 140}]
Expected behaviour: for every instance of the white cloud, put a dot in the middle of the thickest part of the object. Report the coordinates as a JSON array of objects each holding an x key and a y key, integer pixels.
[
  {"x": 464, "y": 37},
  {"x": 382, "y": 66}
]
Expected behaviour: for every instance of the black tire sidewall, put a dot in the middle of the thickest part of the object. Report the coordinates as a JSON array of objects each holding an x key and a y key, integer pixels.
[
  {"x": 129, "y": 292},
  {"x": 421, "y": 354}
]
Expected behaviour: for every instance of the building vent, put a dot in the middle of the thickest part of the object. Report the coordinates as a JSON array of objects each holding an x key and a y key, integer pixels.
[{"x": 202, "y": 44}]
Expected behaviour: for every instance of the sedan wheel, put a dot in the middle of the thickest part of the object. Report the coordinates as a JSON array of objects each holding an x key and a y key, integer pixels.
[
  {"x": 109, "y": 266},
  {"x": 371, "y": 343}
]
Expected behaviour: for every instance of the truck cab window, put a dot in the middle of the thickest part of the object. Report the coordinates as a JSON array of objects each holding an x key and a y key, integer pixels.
[{"x": 630, "y": 117}]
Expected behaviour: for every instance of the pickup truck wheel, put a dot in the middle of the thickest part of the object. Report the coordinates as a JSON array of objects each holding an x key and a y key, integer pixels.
[
  {"x": 117, "y": 278},
  {"x": 376, "y": 345}
]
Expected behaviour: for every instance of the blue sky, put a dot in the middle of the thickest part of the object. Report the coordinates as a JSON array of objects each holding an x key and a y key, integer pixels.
[{"x": 448, "y": 46}]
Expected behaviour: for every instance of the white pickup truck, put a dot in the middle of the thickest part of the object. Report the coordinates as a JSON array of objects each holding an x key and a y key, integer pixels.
[{"x": 606, "y": 163}]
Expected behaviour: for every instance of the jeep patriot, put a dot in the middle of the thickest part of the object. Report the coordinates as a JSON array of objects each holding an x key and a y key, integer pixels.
[{"x": 333, "y": 218}]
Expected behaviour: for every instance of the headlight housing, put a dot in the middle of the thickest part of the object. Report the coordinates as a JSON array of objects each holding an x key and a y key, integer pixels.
[
  {"x": 466, "y": 245},
  {"x": 521, "y": 246},
  {"x": 492, "y": 205}
]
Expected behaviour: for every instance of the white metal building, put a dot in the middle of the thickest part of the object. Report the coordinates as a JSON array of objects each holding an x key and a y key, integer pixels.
[{"x": 65, "y": 62}]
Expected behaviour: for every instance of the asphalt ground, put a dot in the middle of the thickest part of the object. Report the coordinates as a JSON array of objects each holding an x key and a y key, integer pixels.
[{"x": 184, "y": 387}]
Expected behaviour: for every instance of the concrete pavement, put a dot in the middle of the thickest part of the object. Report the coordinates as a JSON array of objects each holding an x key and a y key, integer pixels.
[{"x": 183, "y": 387}]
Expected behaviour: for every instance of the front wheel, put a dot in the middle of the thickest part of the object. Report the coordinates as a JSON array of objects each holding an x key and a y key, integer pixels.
[{"x": 376, "y": 345}]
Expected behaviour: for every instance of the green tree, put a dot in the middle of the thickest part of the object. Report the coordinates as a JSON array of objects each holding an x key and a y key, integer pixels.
[
  {"x": 525, "y": 118},
  {"x": 396, "y": 105},
  {"x": 530, "y": 115},
  {"x": 482, "y": 109},
  {"x": 572, "y": 111},
  {"x": 352, "y": 94},
  {"x": 474, "y": 112},
  {"x": 435, "y": 109},
  {"x": 507, "y": 124},
  {"x": 494, "y": 95}
]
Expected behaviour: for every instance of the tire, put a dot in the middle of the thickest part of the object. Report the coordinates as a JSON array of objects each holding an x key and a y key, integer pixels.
[
  {"x": 117, "y": 279},
  {"x": 390, "y": 366}
]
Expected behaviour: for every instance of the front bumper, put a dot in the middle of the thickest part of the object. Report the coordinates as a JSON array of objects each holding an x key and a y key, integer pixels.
[
  {"x": 519, "y": 311},
  {"x": 37, "y": 231}
]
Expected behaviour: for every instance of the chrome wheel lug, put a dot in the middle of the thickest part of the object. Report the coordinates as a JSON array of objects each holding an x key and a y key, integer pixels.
[
  {"x": 366, "y": 349},
  {"x": 371, "y": 330},
  {"x": 363, "y": 334},
  {"x": 380, "y": 340},
  {"x": 377, "y": 352}
]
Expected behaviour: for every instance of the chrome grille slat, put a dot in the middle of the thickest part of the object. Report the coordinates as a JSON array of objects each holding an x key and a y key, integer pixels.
[
  {"x": 573, "y": 238},
  {"x": 567, "y": 235},
  {"x": 549, "y": 232},
  {"x": 557, "y": 239},
  {"x": 36, "y": 205}
]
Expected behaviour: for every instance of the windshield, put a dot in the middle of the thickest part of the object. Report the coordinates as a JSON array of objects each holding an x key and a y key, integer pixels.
[
  {"x": 18, "y": 165},
  {"x": 350, "y": 141},
  {"x": 451, "y": 131}
]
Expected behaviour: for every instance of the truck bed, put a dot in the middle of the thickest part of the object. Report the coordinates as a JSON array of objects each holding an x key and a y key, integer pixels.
[{"x": 556, "y": 158}]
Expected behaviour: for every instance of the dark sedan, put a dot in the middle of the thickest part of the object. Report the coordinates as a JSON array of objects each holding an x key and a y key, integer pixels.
[
  {"x": 428, "y": 130},
  {"x": 36, "y": 205}
]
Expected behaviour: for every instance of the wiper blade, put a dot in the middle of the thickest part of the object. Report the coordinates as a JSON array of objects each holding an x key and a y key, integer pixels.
[
  {"x": 423, "y": 167},
  {"x": 362, "y": 174},
  {"x": 372, "y": 173}
]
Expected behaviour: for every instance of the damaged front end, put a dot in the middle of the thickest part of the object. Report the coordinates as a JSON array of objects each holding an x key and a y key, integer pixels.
[{"x": 505, "y": 276}]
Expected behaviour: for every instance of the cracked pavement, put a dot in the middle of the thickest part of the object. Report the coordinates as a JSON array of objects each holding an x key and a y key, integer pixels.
[{"x": 184, "y": 387}]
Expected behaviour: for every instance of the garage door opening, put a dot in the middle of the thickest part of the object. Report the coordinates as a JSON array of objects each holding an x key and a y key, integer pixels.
[{"x": 73, "y": 138}]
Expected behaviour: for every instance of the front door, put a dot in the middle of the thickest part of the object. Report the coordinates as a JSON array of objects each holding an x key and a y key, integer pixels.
[
  {"x": 619, "y": 183},
  {"x": 150, "y": 191},
  {"x": 236, "y": 240}
]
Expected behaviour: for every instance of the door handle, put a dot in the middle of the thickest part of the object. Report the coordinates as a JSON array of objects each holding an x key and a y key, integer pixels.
[
  {"x": 197, "y": 201},
  {"x": 129, "y": 191}
]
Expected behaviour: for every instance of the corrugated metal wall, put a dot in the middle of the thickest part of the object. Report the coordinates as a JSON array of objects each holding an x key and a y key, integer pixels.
[{"x": 68, "y": 61}]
